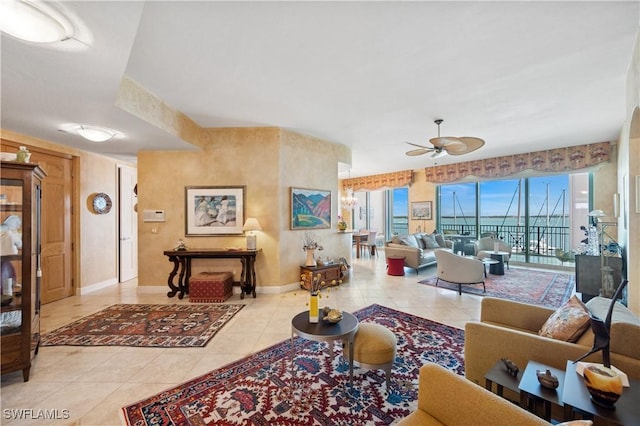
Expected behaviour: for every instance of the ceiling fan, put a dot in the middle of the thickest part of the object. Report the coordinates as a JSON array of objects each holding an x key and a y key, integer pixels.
[{"x": 447, "y": 145}]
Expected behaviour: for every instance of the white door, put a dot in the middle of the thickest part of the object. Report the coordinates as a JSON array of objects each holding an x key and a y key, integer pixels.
[{"x": 128, "y": 228}]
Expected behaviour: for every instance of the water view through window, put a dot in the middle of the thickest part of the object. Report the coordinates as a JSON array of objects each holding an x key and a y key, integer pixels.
[{"x": 534, "y": 215}]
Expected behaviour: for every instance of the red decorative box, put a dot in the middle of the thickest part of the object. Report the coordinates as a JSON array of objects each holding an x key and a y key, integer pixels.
[{"x": 210, "y": 287}]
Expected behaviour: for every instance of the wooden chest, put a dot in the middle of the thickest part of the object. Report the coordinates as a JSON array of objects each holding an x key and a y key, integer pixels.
[
  {"x": 330, "y": 274},
  {"x": 210, "y": 287}
]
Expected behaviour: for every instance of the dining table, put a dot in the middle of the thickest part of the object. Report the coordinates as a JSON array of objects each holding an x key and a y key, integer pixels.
[{"x": 358, "y": 238}]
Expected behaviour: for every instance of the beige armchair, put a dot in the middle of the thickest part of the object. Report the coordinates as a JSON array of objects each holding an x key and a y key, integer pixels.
[
  {"x": 444, "y": 398},
  {"x": 485, "y": 246},
  {"x": 459, "y": 269}
]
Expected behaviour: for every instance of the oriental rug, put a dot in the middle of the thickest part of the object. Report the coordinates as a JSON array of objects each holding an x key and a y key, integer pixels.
[
  {"x": 268, "y": 388},
  {"x": 522, "y": 285},
  {"x": 156, "y": 326}
]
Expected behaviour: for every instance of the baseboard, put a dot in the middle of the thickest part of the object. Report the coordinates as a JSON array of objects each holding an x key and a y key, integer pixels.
[
  {"x": 97, "y": 286},
  {"x": 155, "y": 289}
]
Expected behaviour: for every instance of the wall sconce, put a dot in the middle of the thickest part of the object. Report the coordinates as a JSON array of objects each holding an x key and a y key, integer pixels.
[{"x": 252, "y": 225}]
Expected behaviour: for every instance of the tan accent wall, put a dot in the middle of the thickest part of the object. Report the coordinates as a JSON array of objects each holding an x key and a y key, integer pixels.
[
  {"x": 421, "y": 190},
  {"x": 628, "y": 169},
  {"x": 268, "y": 161},
  {"x": 95, "y": 236}
]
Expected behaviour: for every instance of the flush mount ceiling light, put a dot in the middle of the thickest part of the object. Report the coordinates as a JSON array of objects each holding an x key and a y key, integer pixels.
[
  {"x": 89, "y": 132},
  {"x": 34, "y": 21},
  {"x": 95, "y": 133}
]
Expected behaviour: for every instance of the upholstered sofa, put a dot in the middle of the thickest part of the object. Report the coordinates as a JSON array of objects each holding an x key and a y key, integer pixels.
[
  {"x": 510, "y": 329},
  {"x": 444, "y": 398},
  {"x": 417, "y": 249}
]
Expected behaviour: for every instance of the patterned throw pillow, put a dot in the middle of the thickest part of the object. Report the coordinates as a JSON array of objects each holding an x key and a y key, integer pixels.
[{"x": 568, "y": 322}]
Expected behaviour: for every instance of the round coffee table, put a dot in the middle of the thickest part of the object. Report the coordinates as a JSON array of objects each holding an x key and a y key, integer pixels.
[
  {"x": 324, "y": 331},
  {"x": 485, "y": 261}
]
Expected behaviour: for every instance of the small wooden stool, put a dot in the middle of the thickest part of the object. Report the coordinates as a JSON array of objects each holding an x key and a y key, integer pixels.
[{"x": 374, "y": 347}]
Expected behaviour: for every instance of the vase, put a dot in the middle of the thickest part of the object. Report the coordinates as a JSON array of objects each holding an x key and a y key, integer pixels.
[
  {"x": 314, "y": 310},
  {"x": 604, "y": 385},
  {"x": 311, "y": 261}
]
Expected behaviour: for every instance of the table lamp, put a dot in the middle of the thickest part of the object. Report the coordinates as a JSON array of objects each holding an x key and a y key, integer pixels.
[{"x": 252, "y": 225}]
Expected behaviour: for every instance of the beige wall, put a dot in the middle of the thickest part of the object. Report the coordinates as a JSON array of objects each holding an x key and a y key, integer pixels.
[
  {"x": 95, "y": 236},
  {"x": 628, "y": 169},
  {"x": 268, "y": 161},
  {"x": 421, "y": 190}
]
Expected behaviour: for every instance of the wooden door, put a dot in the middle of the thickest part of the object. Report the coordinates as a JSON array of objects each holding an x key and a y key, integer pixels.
[
  {"x": 57, "y": 256},
  {"x": 128, "y": 224},
  {"x": 56, "y": 236}
]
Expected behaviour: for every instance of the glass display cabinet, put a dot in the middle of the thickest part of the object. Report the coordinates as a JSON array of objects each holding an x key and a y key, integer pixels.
[{"x": 20, "y": 192}]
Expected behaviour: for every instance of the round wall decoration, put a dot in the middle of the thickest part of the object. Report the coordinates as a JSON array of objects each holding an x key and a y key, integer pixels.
[{"x": 101, "y": 203}]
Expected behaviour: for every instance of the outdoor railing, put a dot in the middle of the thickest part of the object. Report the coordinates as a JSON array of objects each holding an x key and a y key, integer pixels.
[{"x": 543, "y": 240}]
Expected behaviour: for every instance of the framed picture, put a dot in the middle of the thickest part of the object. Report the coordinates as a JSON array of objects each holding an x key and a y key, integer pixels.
[
  {"x": 421, "y": 210},
  {"x": 310, "y": 208},
  {"x": 214, "y": 210}
]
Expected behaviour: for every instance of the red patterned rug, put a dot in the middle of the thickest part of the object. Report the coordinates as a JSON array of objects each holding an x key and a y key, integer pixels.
[
  {"x": 266, "y": 389},
  {"x": 158, "y": 326},
  {"x": 522, "y": 285}
]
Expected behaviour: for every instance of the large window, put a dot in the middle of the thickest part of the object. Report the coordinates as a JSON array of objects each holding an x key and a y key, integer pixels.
[
  {"x": 457, "y": 207},
  {"x": 536, "y": 216}
]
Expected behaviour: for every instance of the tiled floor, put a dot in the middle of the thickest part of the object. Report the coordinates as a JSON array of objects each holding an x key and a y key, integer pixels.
[{"x": 93, "y": 383}]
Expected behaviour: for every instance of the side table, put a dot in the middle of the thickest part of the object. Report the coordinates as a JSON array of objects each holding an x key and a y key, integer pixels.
[
  {"x": 533, "y": 394},
  {"x": 498, "y": 268},
  {"x": 575, "y": 396},
  {"x": 501, "y": 377},
  {"x": 395, "y": 265},
  {"x": 323, "y": 331}
]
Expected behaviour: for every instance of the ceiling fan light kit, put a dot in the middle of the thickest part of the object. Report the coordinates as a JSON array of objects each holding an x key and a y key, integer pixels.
[{"x": 447, "y": 145}]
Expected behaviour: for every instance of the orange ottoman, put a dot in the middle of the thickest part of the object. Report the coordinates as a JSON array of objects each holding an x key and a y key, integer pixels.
[{"x": 210, "y": 287}]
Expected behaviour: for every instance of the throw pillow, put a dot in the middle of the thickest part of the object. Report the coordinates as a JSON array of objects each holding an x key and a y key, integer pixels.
[
  {"x": 440, "y": 240},
  {"x": 568, "y": 322},
  {"x": 430, "y": 241}
]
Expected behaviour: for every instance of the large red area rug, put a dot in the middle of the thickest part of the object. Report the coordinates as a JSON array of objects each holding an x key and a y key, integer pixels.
[
  {"x": 522, "y": 285},
  {"x": 158, "y": 326},
  {"x": 266, "y": 389}
]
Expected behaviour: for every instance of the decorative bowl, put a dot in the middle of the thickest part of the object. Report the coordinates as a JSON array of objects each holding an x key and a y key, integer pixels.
[
  {"x": 547, "y": 379},
  {"x": 333, "y": 316},
  {"x": 604, "y": 385}
]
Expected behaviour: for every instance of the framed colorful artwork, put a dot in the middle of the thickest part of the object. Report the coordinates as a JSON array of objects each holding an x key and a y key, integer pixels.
[{"x": 310, "y": 208}]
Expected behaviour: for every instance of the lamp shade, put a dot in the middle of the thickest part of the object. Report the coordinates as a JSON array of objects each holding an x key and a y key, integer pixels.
[{"x": 252, "y": 224}]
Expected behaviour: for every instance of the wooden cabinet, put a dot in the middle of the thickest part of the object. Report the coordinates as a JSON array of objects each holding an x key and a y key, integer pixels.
[
  {"x": 20, "y": 194},
  {"x": 328, "y": 274}
]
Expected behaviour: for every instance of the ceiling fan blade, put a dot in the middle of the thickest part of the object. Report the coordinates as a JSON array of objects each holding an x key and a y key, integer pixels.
[
  {"x": 470, "y": 144},
  {"x": 420, "y": 151},
  {"x": 419, "y": 146},
  {"x": 447, "y": 141}
]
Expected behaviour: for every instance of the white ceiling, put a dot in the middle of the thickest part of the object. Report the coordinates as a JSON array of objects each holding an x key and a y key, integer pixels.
[{"x": 523, "y": 76}]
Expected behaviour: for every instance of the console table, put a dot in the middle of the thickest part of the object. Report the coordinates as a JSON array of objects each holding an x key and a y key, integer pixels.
[{"x": 182, "y": 268}]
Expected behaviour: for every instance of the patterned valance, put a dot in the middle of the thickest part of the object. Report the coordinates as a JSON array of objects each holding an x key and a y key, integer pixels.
[
  {"x": 553, "y": 160},
  {"x": 385, "y": 180}
]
